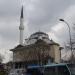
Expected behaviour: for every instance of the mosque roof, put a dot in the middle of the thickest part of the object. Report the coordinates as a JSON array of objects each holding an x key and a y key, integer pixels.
[
  {"x": 39, "y": 42},
  {"x": 39, "y": 33},
  {"x": 17, "y": 47}
]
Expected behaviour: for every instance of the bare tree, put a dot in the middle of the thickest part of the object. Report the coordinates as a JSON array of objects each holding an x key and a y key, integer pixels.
[
  {"x": 1, "y": 58},
  {"x": 69, "y": 45}
]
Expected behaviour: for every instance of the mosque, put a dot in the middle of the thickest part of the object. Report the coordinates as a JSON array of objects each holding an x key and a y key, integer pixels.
[{"x": 37, "y": 49}]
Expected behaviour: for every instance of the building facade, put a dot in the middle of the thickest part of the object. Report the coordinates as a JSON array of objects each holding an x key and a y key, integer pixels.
[{"x": 37, "y": 49}]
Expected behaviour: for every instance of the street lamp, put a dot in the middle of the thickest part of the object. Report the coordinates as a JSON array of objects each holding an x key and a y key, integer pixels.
[{"x": 69, "y": 35}]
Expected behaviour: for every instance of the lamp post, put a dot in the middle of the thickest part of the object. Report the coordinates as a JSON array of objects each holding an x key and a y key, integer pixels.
[{"x": 69, "y": 37}]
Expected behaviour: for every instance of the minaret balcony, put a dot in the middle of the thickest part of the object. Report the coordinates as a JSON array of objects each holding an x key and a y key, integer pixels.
[{"x": 21, "y": 27}]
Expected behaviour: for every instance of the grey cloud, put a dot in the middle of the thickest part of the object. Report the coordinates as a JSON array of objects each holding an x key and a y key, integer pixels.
[
  {"x": 9, "y": 7},
  {"x": 42, "y": 17},
  {"x": 46, "y": 12},
  {"x": 40, "y": 14},
  {"x": 9, "y": 29}
]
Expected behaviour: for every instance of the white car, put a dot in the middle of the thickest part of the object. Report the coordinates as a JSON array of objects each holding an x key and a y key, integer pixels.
[{"x": 15, "y": 72}]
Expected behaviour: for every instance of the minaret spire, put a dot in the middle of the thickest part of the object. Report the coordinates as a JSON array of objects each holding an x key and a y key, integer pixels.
[
  {"x": 21, "y": 27},
  {"x": 22, "y": 12}
]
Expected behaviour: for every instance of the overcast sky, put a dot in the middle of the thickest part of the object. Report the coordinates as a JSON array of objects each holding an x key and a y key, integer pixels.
[{"x": 40, "y": 15}]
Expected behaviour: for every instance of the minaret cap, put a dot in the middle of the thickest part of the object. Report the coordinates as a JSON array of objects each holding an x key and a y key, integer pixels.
[{"x": 22, "y": 12}]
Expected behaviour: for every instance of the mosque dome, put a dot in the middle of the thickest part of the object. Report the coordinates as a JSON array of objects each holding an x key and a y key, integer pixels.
[
  {"x": 39, "y": 35},
  {"x": 36, "y": 36}
]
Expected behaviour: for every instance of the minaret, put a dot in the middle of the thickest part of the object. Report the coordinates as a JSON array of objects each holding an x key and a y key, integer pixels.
[{"x": 21, "y": 27}]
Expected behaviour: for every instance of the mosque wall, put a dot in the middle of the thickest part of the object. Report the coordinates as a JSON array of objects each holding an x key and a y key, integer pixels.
[
  {"x": 36, "y": 54},
  {"x": 57, "y": 54}
]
